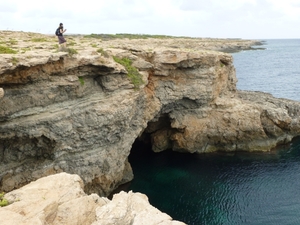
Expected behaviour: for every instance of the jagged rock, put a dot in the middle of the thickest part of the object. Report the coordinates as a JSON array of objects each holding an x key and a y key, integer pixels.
[
  {"x": 81, "y": 113},
  {"x": 60, "y": 200}
]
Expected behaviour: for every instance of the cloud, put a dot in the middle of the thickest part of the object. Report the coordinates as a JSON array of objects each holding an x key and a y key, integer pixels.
[
  {"x": 197, "y": 18},
  {"x": 7, "y": 7}
]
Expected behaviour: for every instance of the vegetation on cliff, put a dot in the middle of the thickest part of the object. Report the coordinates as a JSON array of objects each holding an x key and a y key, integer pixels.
[
  {"x": 130, "y": 36},
  {"x": 6, "y": 50},
  {"x": 133, "y": 74},
  {"x": 3, "y": 201}
]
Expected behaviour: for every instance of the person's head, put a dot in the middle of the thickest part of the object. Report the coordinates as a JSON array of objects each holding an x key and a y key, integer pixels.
[{"x": 61, "y": 25}]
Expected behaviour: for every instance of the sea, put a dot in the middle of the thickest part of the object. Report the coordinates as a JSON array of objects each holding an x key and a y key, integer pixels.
[{"x": 232, "y": 188}]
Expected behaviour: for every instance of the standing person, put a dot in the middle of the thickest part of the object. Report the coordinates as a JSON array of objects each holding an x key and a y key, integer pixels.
[{"x": 61, "y": 40}]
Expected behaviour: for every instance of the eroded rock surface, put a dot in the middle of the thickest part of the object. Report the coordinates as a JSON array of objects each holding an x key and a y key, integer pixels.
[
  {"x": 60, "y": 199},
  {"x": 81, "y": 114}
]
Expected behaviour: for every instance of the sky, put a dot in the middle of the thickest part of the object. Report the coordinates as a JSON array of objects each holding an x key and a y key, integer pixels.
[{"x": 246, "y": 19}]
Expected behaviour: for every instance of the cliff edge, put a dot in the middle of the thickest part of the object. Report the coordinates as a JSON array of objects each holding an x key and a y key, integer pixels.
[{"x": 81, "y": 110}]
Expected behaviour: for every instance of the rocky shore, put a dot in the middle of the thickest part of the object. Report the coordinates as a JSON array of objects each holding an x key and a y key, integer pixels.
[{"x": 80, "y": 110}]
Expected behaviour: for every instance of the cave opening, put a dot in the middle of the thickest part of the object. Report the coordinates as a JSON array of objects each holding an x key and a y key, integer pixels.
[
  {"x": 156, "y": 137},
  {"x": 154, "y": 140}
]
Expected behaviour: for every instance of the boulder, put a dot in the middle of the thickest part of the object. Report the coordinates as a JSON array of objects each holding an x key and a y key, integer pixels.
[{"x": 60, "y": 200}]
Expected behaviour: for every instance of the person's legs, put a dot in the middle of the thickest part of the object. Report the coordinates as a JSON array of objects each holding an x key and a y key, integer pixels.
[{"x": 62, "y": 43}]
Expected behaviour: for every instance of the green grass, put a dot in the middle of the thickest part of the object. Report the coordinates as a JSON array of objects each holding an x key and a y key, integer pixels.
[
  {"x": 3, "y": 201},
  {"x": 6, "y": 50},
  {"x": 72, "y": 51},
  {"x": 71, "y": 43},
  {"x": 129, "y": 36},
  {"x": 81, "y": 80},
  {"x": 39, "y": 40},
  {"x": 14, "y": 60},
  {"x": 12, "y": 42},
  {"x": 132, "y": 73},
  {"x": 102, "y": 52},
  {"x": 25, "y": 50},
  {"x": 56, "y": 46}
]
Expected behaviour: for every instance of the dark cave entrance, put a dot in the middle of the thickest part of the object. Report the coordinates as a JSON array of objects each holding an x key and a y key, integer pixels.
[
  {"x": 156, "y": 137},
  {"x": 154, "y": 140}
]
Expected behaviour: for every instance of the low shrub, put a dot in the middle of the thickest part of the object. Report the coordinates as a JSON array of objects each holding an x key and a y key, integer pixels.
[
  {"x": 6, "y": 50},
  {"x": 102, "y": 52},
  {"x": 12, "y": 42},
  {"x": 3, "y": 201},
  {"x": 71, "y": 51},
  {"x": 39, "y": 40},
  {"x": 14, "y": 60},
  {"x": 81, "y": 80},
  {"x": 132, "y": 72}
]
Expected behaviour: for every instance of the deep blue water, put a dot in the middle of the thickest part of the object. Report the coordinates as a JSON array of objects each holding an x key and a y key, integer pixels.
[
  {"x": 275, "y": 70},
  {"x": 235, "y": 188}
]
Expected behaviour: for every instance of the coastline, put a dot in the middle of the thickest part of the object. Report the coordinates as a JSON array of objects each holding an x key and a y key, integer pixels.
[{"x": 80, "y": 111}]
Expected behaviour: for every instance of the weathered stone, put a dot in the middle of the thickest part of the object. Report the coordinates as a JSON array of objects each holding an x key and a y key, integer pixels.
[
  {"x": 59, "y": 200},
  {"x": 131, "y": 209},
  {"x": 1, "y": 92},
  {"x": 56, "y": 199}
]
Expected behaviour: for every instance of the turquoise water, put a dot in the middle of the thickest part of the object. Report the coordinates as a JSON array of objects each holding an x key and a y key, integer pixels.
[
  {"x": 219, "y": 188},
  {"x": 236, "y": 188}
]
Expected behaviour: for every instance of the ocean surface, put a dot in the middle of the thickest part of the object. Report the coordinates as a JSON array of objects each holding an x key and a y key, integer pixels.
[
  {"x": 232, "y": 188},
  {"x": 275, "y": 70}
]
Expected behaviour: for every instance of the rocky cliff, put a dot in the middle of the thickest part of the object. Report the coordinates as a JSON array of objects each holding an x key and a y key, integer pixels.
[{"x": 80, "y": 112}]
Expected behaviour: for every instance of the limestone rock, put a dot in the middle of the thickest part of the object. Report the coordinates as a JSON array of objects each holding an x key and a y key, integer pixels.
[
  {"x": 131, "y": 208},
  {"x": 59, "y": 200},
  {"x": 1, "y": 92},
  {"x": 56, "y": 199}
]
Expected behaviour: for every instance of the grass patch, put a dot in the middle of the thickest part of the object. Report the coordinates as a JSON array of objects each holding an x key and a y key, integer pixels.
[
  {"x": 71, "y": 43},
  {"x": 39, "y": 40},
  {"x": 129, "y": 36},
  {"x": 71, "y": 51},
  {"x": 14, "y": 60},
  {"x": 6, "y": 50},
  {"x": 25, "y": 50},
  {"x": 81, "y": 80},
  {"x": 12, "y": 42},
  {"x": 3, "y": 201},
  {"x": 132, "y": 73},
  {"x": 102, "y": 52},
  {"x": 94, "y": 45}
]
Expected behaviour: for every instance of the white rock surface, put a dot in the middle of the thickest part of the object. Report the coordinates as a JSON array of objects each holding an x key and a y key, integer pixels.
[
  {"x": 132, "y": 209},
  {"x": 60, "y": 200}
]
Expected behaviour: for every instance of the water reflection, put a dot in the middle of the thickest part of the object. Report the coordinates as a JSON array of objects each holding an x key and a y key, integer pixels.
[{"x": 236, "y": 188}]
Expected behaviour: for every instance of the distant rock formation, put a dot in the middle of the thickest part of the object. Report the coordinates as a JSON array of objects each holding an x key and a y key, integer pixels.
[
  {"x": 81, "y": 114},
  {"x": 60, "y": 200}
]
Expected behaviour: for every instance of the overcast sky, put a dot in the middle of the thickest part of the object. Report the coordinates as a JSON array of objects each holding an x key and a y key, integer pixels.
[{"x": 248, "y": 19}]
